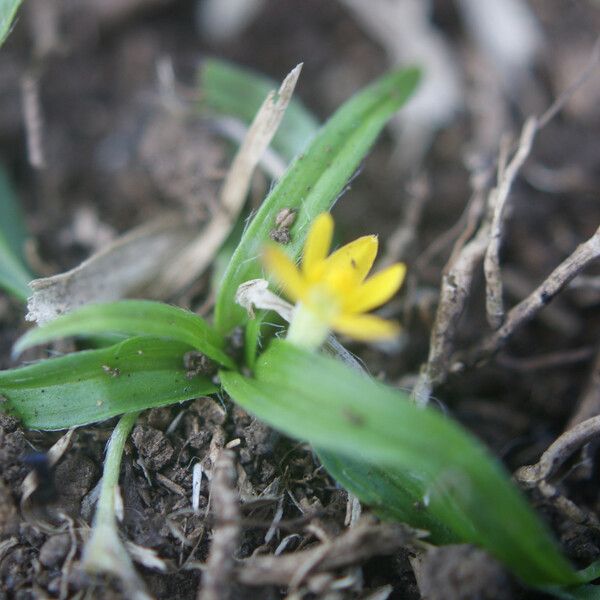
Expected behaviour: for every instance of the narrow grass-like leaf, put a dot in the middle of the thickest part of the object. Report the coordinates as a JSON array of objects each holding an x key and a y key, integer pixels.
[
  {"x": 133, "y": 317},
  {"x": 581, "y": 592},
  {"x": 392, "y": 496},
  {"x": 461, "y": 485},
  {"x": 8, "y": 11},
  {"x": 12, "y": 224},
  {"x": 90, "y": 386},
  {"x": 14, "y": 275},
  {"x": 104, "y": 552},
  {"x": 313, "y": 182},
  {"x": 252, "y": 340},
  {"x": 238, "y": 92}
]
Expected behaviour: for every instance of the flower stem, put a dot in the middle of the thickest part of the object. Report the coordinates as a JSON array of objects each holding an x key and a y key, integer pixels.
[
  {"x": 105, "y": 511},
  {"x": 306, "y": 329},
  {"x": 104, "y": 550}
]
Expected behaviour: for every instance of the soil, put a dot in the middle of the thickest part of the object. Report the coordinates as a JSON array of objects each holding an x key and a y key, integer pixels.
[{"x": 114, "y": 159}]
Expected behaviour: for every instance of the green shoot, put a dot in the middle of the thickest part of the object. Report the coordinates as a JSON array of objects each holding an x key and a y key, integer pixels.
[
  {"x": 14, "y": 275},
  {"x": 104, "y": 552},
  {"x": 8, "y": 12},
  {"x": 313, "y": 182}
]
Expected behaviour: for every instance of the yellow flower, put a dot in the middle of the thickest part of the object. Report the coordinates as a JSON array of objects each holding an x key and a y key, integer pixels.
[{"x": 332, "y": 292}]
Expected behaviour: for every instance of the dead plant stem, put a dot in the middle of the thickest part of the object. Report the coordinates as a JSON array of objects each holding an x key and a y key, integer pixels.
[
  {"x": 216, "y": 579},
  {"x": 540, "y": 297}
]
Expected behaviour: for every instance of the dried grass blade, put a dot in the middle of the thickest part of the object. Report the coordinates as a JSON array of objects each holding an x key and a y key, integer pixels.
[
  {"x": 119, "y": 270},
  {"x": 196, "y": 257}
]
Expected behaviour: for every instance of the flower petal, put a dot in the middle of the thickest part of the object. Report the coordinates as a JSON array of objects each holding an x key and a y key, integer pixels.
[
  {"x": 366, "y": 328},
  {"x": 318, "y": 242},
  {"x": 376, "y": 290},
  {"x": 357, "y": 256},
  {"x": 284, "y": 271}
]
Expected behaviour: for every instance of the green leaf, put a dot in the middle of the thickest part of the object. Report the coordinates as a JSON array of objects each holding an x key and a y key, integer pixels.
[
  {"x": 459, "y": 483},
  {"x": 14, "y": 275},
  {"x": 133, "y": 317},
  {"x": 580, "y": 592},
  {"x": 12, "y": 223},
  {"x": 391, "y": 495},
  {"x": 313, "y": 182},
  {"x": 8, "y": 11},
  {"x": 90, "y": 386},
  {"x": 252, "y": 339},
  {"x": 238, "y": 92}
]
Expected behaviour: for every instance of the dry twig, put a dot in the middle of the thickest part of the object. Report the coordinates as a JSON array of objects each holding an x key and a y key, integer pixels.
[
  {"x": 43, "y": 21},
  {"x": 456, "y": 282},
  {"x": 195, "y": 258},
  {"x": 540, "y": 475},
  {"x": 216, "y": 579},
  {"x": 559, "y": 317},
  {"x": 33, "y": 119},
  {"x": 356, "y": 545},
  {"x": 498, "y": 200},
  {"x": 559, "y": 452},
  {"x": 542, "y": 295}
]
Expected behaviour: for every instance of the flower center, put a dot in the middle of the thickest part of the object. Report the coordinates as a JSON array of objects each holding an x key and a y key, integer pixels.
[
  {"x": 325, "y": 303},
  {"x": 307, "y": 329}
]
